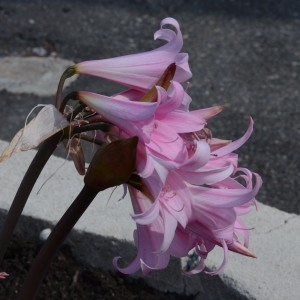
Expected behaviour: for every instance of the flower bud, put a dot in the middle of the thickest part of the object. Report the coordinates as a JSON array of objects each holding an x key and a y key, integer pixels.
[{"x": 112, "y": 164}]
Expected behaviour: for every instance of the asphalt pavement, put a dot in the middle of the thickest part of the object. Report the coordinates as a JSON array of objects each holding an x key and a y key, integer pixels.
[{"x": 244, "y": 54}]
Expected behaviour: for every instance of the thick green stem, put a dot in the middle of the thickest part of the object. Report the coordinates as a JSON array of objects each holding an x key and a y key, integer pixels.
[
  {"x": 58, "y": 235},
  {"x": 33, "y": 172}
]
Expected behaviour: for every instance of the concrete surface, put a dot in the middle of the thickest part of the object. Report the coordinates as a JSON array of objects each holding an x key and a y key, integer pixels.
[
  {"x": 37, "y": 75},
  {"x": 59, "y": 184},
  {"x": 275, "y": 273}
]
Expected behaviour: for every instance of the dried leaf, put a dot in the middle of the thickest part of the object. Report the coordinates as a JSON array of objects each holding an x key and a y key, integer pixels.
[{"x": 48, "y": 122}]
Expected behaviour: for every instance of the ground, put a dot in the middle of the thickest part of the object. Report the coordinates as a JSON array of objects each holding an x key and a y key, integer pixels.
[{"x": 67, "y": 279}]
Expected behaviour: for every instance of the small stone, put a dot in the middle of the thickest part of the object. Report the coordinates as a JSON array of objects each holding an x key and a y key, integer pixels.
[
  {"x": 39, "y": 51},
  {"x": 44, "y": 234}
]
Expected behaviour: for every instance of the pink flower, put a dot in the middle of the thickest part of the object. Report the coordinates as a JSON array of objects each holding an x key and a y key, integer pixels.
[
  {"x": 215, "y": 219},
  {"x": 147, "y": 238},
  {"x": 177, "y": 161},
  {"x": 159, "y": 126},
  {"x": 141, "y": 71},
  {"x": 197, "y": 216},
  {"x": 186, "y": 188},
  {"x": 3, "y": 275},
  {"x": 189, "y": 218},
  {"x": 222, "y": 163}
]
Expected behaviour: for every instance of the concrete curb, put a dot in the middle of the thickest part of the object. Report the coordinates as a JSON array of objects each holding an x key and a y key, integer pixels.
[
  {"x": 276, "y": 271},
  {"x": 37, "y": 75},
  {"x": 108, "y": 227}
]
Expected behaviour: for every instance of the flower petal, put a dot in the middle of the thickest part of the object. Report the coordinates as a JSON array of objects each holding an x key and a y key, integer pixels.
[
  {"x": 236, "y": 144},
  {"x": 141, "y": 71}
]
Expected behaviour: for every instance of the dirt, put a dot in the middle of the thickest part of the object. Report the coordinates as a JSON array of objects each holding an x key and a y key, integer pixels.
[{"x": 67, "y": 279}]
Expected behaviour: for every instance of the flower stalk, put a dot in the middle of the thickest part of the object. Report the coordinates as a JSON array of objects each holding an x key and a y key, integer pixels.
[
  {"x": 100, "y": 175},
  {"x": 69, "y": 72},
  {"x": 61, "y": 230},
  {"x": 25, "y": 188}
]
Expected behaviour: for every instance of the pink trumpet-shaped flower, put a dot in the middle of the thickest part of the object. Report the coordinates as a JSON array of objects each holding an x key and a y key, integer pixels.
[
  {"x": 159, "y": 126},
  {"x": 186, "y": 217},
  {"x": 189, "y": 215},
  {"x": 215, "y": 218},
  {"x": 186, "y": 187},
  {"x": 3, "y": 275},
  {"x": 147, "y": 239},
  {"x": 141, "y": 71}
]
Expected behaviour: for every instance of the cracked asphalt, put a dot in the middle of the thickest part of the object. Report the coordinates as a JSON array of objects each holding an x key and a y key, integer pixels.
[{"x": 245, "y": 54}]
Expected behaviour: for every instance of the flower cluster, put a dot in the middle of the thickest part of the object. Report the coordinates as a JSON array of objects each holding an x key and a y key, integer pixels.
[
  {"x": 196, "y": 194},
  {"x": 187, "y": 189}
]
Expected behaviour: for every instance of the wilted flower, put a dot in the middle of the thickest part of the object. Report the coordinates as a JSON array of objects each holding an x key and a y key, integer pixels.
[{"x": 47, "y": 122}]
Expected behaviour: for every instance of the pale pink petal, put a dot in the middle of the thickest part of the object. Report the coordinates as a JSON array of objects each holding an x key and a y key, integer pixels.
[
  {"x": 239, "y": 248},
  {"x": 133, "y": 117},
  {"x": 199, "y": 158},
  {"x": 147, "y": 239},
  {"x": 207, "y": 175},
  {"x": 186, "y": 102},
  {"x": 118, "y": 108},
  {"x": 140, "y": 202},
  {"x": 166, "y": 143},
  {"x": 176, "y": 199},
  {"x": 212, "y": 223},
  {"x": 225, "y": 260},
  {"x": 223, "y": 198},
  {"x": 240, "y": 228},
  {"x": 216, "y": 143},
  {"x": 141, "y": 71},
  {"x": 197, "y": 269},
  {"x": 170, "y": 225},
  {"x": 208, "y": 113},
  {"x": 182, "y": 243},
  {"x": 154, "y": 173},
  {"x": 3, "y": 275},
  {"x": 169, "y": 100},
  {"x": 129, "y": 95},
  {"x": 236, "y": 144},
  {"x": 148, "y": 216},
  {"x": 183, "y": 122}
]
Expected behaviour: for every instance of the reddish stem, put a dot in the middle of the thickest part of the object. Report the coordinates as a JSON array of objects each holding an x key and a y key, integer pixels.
[
  {"x": 25, "y": 188},
  {"x": 61, "y": 230}
]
